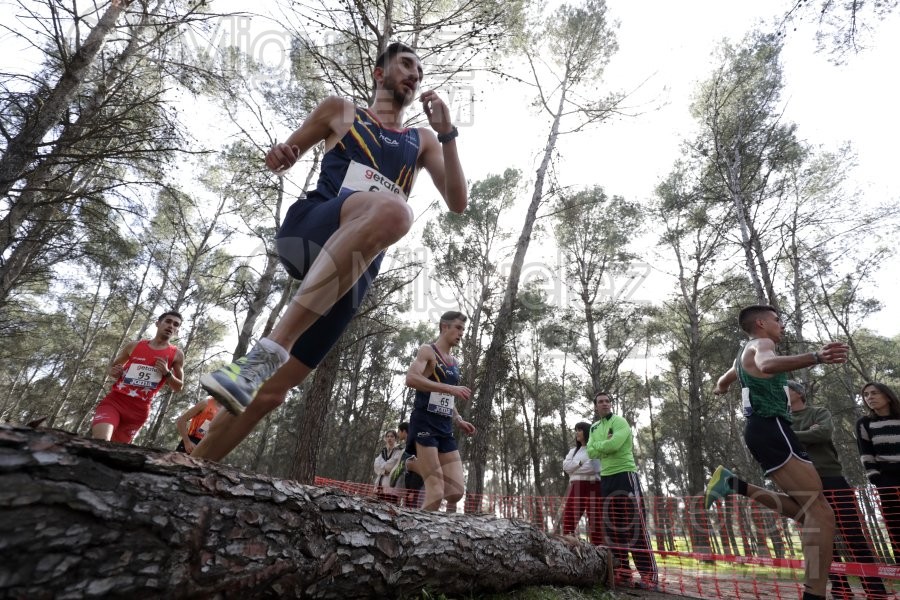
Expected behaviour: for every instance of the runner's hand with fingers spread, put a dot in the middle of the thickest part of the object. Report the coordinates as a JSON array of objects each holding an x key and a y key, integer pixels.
[
  {"x": 834, "y": 353},
  {"x": 437, "y": 112},
  {"x": 282, "y": 157}
]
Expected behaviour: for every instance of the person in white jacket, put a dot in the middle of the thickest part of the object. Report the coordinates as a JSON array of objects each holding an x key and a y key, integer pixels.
[
  {"x": 584, "y": 487},
  {"x": 385, "y": 461}
]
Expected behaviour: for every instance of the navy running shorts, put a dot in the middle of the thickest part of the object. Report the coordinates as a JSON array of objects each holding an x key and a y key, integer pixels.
[
  {"x": 307, "y": 226},
  {"x": 424, "y": 431}
]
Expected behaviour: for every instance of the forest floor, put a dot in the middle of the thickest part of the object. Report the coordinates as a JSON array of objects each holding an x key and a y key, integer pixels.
[
  {"x": 547, "y": 592},
  {"x": 747, "y": 587}
]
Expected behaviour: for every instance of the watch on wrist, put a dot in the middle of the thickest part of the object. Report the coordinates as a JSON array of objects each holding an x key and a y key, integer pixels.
[
  {"x": 446, "y": 137},
  {"x": 818, "y": 358}
]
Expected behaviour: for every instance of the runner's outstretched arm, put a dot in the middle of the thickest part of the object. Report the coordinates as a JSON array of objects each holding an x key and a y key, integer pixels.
[{"x": 770, "y": 363}]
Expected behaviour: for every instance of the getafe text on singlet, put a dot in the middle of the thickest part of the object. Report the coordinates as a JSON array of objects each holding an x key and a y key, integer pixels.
[
  {"x": 141, "y": 379},
  {"x": 369, "y": 158}
]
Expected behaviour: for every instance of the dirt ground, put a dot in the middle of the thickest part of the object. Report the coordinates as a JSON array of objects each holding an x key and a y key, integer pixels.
[{"x": 624, "y": 594}]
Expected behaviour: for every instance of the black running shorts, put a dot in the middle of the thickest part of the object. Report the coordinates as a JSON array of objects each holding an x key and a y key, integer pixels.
[{"x": 772, "y": 442}]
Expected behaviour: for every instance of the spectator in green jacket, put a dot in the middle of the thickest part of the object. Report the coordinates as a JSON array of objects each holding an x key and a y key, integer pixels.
[
  {"x": 624, "y": 516},
  {"x": 813, "y": 427}
]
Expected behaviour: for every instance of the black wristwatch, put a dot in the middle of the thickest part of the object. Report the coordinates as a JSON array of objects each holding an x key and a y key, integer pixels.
[{"x": 446, "y": 137}]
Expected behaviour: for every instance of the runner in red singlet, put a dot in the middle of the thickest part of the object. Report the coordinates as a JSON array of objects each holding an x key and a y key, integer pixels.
[{"x": 140, "y": 369}]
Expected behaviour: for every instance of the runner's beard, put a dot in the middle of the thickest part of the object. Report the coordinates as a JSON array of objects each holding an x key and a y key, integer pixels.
[{"x": 402, "y": 98}]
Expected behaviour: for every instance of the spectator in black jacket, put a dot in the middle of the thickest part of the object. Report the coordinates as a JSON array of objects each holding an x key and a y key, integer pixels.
[{"x": 878, "y": 438}]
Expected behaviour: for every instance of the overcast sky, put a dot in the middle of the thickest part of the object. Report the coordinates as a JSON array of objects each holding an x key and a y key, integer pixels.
[{"x": 666, "y": 48}]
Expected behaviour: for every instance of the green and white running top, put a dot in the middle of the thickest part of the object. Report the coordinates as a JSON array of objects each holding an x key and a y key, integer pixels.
[{"x": 763, "y": 397}]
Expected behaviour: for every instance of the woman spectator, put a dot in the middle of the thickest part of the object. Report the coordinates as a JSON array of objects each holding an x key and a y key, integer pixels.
[
  {"x": 385, "y": 461},
  {"x": 876, "y": 435},
  {"x": 584, "y": 486}
]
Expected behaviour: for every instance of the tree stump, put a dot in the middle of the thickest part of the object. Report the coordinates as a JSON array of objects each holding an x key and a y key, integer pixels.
[{"x": 81, "y": 518}]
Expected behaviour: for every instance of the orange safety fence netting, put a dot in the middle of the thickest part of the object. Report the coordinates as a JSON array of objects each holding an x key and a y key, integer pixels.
[{"x": 736, "y": 549}]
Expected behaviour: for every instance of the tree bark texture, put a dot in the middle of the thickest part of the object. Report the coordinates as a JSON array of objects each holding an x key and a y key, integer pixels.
[{"x": 82, "y": 519}]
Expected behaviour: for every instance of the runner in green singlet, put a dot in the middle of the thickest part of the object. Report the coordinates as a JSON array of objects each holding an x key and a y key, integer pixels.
[{"x": 772, "y": 442}]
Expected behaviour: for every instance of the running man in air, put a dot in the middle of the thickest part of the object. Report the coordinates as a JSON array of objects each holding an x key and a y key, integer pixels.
[
  {"x": 774, "y": 445},
  {"x": 334, "y": 238}
]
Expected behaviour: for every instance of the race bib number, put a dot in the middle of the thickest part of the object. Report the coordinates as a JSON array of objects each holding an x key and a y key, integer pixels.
[
  {"x": 361, "y": 178},
  {"x": 440, "y": 404},
  {"x": 143, "y": 376},
  {"x": 745, "y": 401},
  {"x": 201, "y": 431}
]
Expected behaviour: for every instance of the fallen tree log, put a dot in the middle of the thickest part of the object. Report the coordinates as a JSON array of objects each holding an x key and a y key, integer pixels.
[{"x": 81, "y": 518}]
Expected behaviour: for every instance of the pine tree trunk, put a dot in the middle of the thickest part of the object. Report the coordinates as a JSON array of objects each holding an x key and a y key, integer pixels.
[
  {"x": 23, "y": 148},
  {"x": 82, "y": 518},
  {"x": 496, "y": 360},
  {"x": 267, "y": 280},
  {"x": 256, "y": 305},
  {"x": 287, "y": 292},
  {"x": 261, "y": 445},
  {"x": 311, "y": 423},
  {"x": 764, "y": 273}
]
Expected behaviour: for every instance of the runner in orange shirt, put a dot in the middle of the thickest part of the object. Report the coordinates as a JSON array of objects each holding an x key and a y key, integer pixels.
[{"x": 194, "y": 423}]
